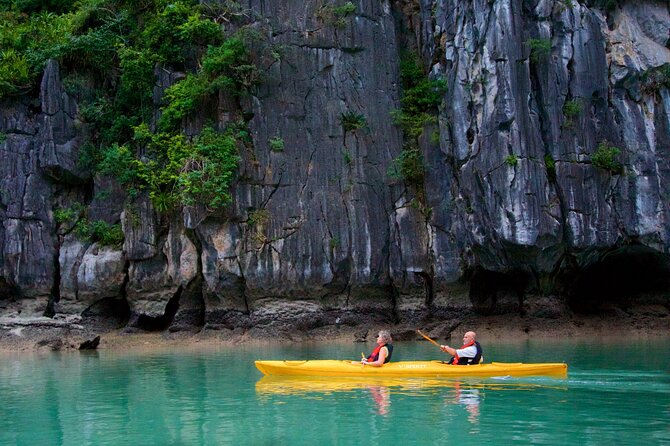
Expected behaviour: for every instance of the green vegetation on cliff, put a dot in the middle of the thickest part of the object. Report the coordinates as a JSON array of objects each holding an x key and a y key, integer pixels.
[
  {"x": 98, "y": 231},
  {"x": 420, "y": 99},
  {"x": 421, "y": 96},
  {"x": 605, "y": 157},
  {"x": 653, "y": 80},
  {"x": 110, "y": 53}
]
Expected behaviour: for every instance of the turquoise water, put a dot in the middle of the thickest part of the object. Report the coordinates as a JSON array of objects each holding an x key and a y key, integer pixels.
[{"x": 616, "y": 393}]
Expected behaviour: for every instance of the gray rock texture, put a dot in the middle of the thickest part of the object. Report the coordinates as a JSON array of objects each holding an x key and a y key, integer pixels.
[
  {"x": 89, "y": 273},
  {"x": 514, "y": 216}
]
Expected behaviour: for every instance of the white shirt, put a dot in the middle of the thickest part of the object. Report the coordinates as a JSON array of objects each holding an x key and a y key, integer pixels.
[{"x": 467, "y": 352}]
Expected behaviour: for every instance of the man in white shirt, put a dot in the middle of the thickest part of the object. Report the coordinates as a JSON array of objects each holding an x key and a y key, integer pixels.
[{"x": 469, "y": 353}]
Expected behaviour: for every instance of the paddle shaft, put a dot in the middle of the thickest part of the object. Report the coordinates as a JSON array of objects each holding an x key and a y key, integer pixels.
[{"x": 429, "y": 339}]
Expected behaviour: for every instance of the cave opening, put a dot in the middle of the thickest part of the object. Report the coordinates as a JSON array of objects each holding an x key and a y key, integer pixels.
[
  {"x": 161, "y": 323},
  {"x": 110, "y": 312},
  {"x": 7, "y": 290},
  {"x": 633, "y": 274},
  {"x": 494, "y": 292}
]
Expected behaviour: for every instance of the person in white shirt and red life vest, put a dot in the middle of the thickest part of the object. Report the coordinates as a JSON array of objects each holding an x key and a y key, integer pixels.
[
  {"x": 382, "y": 353},
  {"x": 469, "y": 353}
]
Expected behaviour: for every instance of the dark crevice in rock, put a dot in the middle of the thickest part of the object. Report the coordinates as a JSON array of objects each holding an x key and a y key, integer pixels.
[
  {"x": 54, "y": 295},
  {"x": 630, "y": 274},
  {"x": 192, "y": 308},
  {"x": 309, "y": 170},
  {"x": 190, "y": 314},
  {"x": 20, "y": 132},
  {"x": 497, "y": 293},
  {"x": 123, "y": 292},
  {"x": 160, "y": 323},
  {"x": 243, "y": 287},
  {"x": 428, "y": 285}
]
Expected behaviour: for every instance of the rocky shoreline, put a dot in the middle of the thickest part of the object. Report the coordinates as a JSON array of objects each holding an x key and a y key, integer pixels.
[{"x": 76, "y": 333}]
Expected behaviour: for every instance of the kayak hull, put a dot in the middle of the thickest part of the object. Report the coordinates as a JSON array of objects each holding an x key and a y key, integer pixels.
[{"x": 409, "y": 369}]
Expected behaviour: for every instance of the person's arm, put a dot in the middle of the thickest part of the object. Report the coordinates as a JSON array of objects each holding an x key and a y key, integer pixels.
[
  {"x": 447, "y": 349},
  {"x": 380, "y": 360}
]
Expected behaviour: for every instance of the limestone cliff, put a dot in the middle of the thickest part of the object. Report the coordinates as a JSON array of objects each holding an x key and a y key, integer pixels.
[{"x": 513, "y": 214}]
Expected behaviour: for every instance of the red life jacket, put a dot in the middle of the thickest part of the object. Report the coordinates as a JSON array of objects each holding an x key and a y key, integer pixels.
[
  {"x": 455, "y": 360},
  {"x": 375, "y": 353}
]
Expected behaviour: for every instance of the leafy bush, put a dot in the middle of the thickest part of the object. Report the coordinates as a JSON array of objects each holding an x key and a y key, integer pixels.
[
  {"x": 572, "y": 109},
  {"x": 100, "y": 231},
  {"x": 276, "y": 144},
  {"x": 95, "y": 48},
  {"x": 420, "y": 97},
  {"x": 347, "y": 9},
  {"x": 412, "y": 124},
  {"x": 512, "y": 160},
  {"x": 335, "y": 15},
  {"x": 605, "y": 157},
  {"x": 420, "y": 100},
  {"x": 655, "y": 79},
  {"x": 177, "y": 171},
  {"x": 117, "y": 44},
  {"x": 94, "y": 231},
  {"x": 182, "y": 99},
  {"x": 550, "y": 164},
  {"x": 26, "y": 42},
  {"x": 352, "y": 121},
  {"x": 15, "y": 72},
  {"x": 408, "y": 167},
  {"x": 539, "y": 49},
  {"x": 32, "y": 6},
  {"x": 225, "y": 67},
  {"x": 161, "y": 32},
  {"x": 346, "y": 155},
  {"x": 136, "y": 82},
  {"x": 259, "y": 217},
  {"x": 119, "y": 161},
  {"x": 222, "y": 60},
  {"x": 208, "y": 172},
  {"x": 68, "y": 215},
  {"x": 420, "y": 94},
  {"x": 198, "y": 31}
]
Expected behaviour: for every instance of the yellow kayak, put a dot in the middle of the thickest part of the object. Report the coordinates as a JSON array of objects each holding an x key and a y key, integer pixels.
[{"x": 409, "y": 369}]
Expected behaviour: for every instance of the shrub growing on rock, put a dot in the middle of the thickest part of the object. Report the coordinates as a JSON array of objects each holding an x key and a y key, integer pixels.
[{"x": 605, "y": 157}]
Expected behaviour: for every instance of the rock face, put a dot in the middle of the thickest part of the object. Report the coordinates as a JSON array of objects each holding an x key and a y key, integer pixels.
[{"x": 515, "y": 214}]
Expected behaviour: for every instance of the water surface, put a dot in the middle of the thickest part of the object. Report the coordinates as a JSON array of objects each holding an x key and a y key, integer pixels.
[{"x": 616, "y": 392}]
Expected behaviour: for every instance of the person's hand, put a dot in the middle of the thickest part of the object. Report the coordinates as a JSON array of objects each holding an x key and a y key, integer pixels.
[{"x": 443, "y": 347}]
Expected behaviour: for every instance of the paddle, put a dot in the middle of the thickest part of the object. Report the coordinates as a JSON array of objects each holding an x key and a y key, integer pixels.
[
  {"x": 429, "y": 339},
  {"x": 362, "y": 357}
]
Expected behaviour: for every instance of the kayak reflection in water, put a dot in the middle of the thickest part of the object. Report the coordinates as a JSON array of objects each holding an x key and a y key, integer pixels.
[
  {"x": 469, "y": 398},
  {"x": 382, "y": 398},
  {"x": 382, "y": 352}
]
